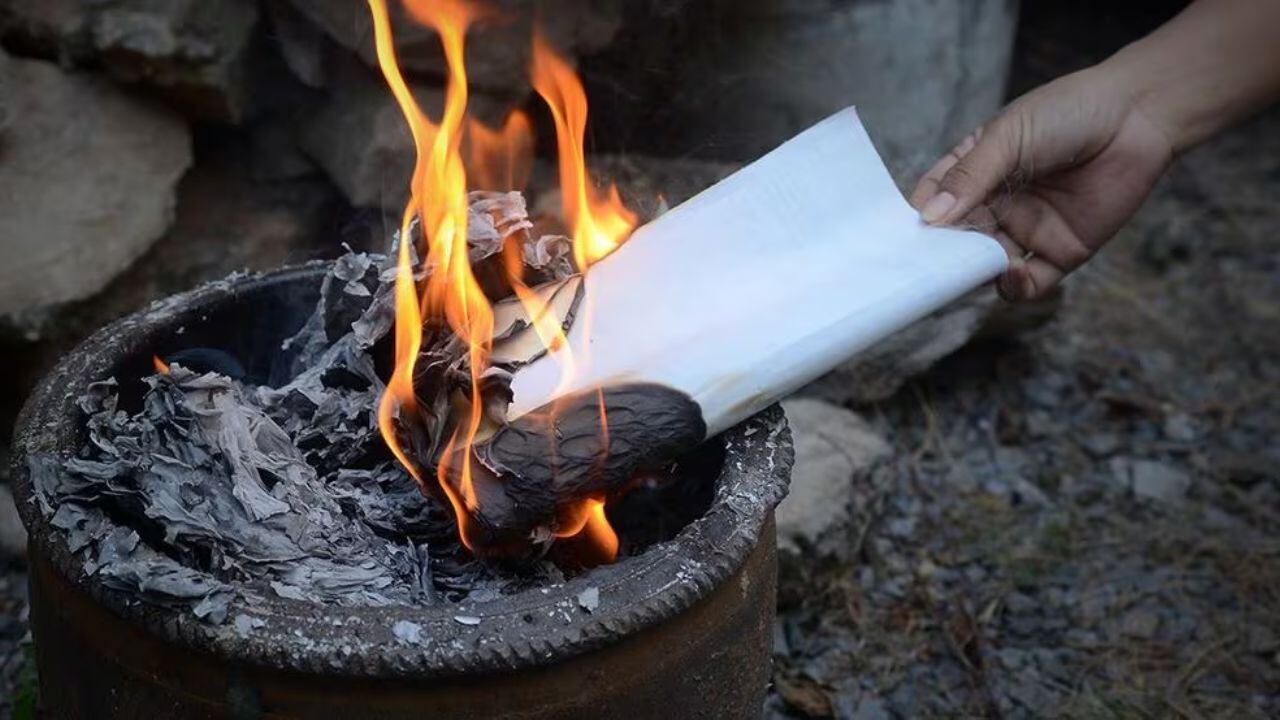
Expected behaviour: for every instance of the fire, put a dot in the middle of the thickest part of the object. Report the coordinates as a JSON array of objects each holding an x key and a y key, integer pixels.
[
  {"x": 599, "y": 223},
  {"x": 160, "y": 365},
  {"x": 499, "y": 159},
  {"x": 438, "y": 201},
  {"x": 452, "y": 156}
]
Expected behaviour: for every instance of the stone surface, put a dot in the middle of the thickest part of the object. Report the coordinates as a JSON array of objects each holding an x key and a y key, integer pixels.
[
  {"x": 301, "y": 42},
  {"x": 923, "y": 73},
  {"x": 114, "y": 161},
  {"x": 833, "y": 448},
  {"x": 1153, "y": 480},
  {"x": 880, "y": 370},
  {"x": 56, "y": 28},
  {"x": 195, "y": 51},
  {"x": 497, "y": 50},
  {"x": 360, "y": 137},
  {"x": 6, "y": 95},
  {"x": 13, "y": 536}
]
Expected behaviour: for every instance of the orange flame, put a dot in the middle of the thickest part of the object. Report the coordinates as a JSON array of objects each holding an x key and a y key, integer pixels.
[
  {"x": 457, "y": 153},
  {"x": 438, "y": 201},
  {"x": 499, "y": 159},
  {"x": 161, "y": 366},
  {"x": 600, "y": 223}
]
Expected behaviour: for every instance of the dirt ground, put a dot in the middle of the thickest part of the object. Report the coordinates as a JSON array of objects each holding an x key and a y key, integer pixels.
[{"x": 1084, "y": 522}]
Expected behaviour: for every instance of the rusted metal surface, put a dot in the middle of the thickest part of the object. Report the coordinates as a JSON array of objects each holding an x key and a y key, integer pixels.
[
  {"x": 710, "y": 661},
  {"x": 681, "y": 630}
]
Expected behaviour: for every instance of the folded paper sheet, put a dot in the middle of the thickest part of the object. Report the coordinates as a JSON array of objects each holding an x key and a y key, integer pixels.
[{"x": 764, "y": 281}]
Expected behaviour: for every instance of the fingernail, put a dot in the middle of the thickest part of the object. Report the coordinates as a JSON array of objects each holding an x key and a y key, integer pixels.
[{"x": 938, "y": 207}]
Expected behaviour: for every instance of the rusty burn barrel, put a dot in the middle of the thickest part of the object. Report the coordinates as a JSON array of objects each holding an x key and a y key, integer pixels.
[{"x": 681, "y": 630}]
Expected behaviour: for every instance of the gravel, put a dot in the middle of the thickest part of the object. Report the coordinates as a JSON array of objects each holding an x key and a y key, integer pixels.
[{"x": 1083, "y": 521}]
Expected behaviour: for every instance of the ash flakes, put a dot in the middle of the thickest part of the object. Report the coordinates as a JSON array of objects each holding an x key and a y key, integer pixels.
[
  {"x": 219, "y": 492},
  {"x": 223, "y": 496},
  {"x": 406, "y": 632}
]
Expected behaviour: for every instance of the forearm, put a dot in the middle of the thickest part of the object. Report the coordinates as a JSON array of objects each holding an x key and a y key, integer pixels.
[{"x": 1214, "y": 64}]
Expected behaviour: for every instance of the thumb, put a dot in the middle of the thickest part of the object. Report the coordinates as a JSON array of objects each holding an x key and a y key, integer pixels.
[{"x": 969, "y": 177}]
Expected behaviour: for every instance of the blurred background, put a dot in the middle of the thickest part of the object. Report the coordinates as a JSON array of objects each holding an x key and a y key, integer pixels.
[{"x": 1066, "y": 507}]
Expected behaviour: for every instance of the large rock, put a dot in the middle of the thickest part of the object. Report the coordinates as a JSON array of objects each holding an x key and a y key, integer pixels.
[
  {"x": 360, "y": 138},
  {"x": 302, "y": 44},
  {"x": 922, "y": 72},
  {"x": 497, "y": 52},
  {"x": 13, "y": 536},
  {"x": 195, "y": 51},
  {"x": 46, "y": 27},
  {"x": 6, "y": 96},
  {"x": 834, "y": 449},
  {"x": 879, "y": 371},
  {"x": 87, "y": 176}
]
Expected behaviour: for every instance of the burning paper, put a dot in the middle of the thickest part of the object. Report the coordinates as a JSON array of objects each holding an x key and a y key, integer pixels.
[
  {"x": 702, "y": 318},
  {"x": 763, "y": 282},
  {"x": 709, "y": 314}
]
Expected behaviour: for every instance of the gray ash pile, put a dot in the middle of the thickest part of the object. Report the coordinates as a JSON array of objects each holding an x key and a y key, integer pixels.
[{"x": 220, "y": 487}]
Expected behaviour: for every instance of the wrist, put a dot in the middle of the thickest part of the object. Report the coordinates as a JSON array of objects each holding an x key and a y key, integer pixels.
[{"x": 1141, "y": 81}]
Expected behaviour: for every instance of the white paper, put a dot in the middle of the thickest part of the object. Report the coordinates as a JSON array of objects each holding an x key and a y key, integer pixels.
[{"x": 764, "y": 281}]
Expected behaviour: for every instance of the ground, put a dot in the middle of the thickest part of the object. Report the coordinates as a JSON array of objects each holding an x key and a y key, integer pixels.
[
  {"x": 1080, "y": 522},
  {"x": 1084, "y": 522}
]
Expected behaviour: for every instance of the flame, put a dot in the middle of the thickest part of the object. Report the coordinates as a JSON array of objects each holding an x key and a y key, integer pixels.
[
  {"x": 438, "y": 201},
  {"x": 452, "y": 156},
  {"x": 600, "y": 223},
  {"x": 160, "y": 365},
  {"x": 499, "y": 159}
]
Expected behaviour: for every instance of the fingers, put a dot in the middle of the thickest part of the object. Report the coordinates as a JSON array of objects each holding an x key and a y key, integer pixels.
[
  {"x": 1041, "y": 246},
  {"x": 928, "y": 185},
  {"x": 1028, "y": 279},
  {"x": 964, "y": 178},
  {"x": 1041, "y": 229}
]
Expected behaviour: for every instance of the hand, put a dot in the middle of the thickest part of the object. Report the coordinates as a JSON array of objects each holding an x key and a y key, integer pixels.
[{"x": 1053, "y": 177}]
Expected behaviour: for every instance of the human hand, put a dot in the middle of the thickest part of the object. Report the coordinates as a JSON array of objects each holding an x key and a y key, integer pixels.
[{"x": 1053, "y": 177}]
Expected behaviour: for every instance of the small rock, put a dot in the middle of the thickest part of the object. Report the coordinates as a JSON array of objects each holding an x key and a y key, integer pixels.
[
  {"x": 1153, "y": 480},
  {"x": 290, "y": 592},
  {"x": 1180, "y": 427},
  {"x": 1020, "y": 603},
  {"x": 1262, "y": 640},
  {"x": 1140, "y": 623},
  {"x": 902, "y": 527},
  {"x": 1011, "y": 658},
  {"x": 1101, "y": 444},
  {"x": 245, "y": 624},
  {"x": 781, "y": 646},
  {"x": 115, "y": 162},
  {"x": 13, "y": 536},
  {"x": 869, "y": 707},
  {"x": 406, "y": 632},
  {"x": 833, "y": 446}
]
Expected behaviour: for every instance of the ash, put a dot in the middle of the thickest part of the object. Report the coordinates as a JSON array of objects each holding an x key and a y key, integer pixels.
[{"x": 220, "y": 491}]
